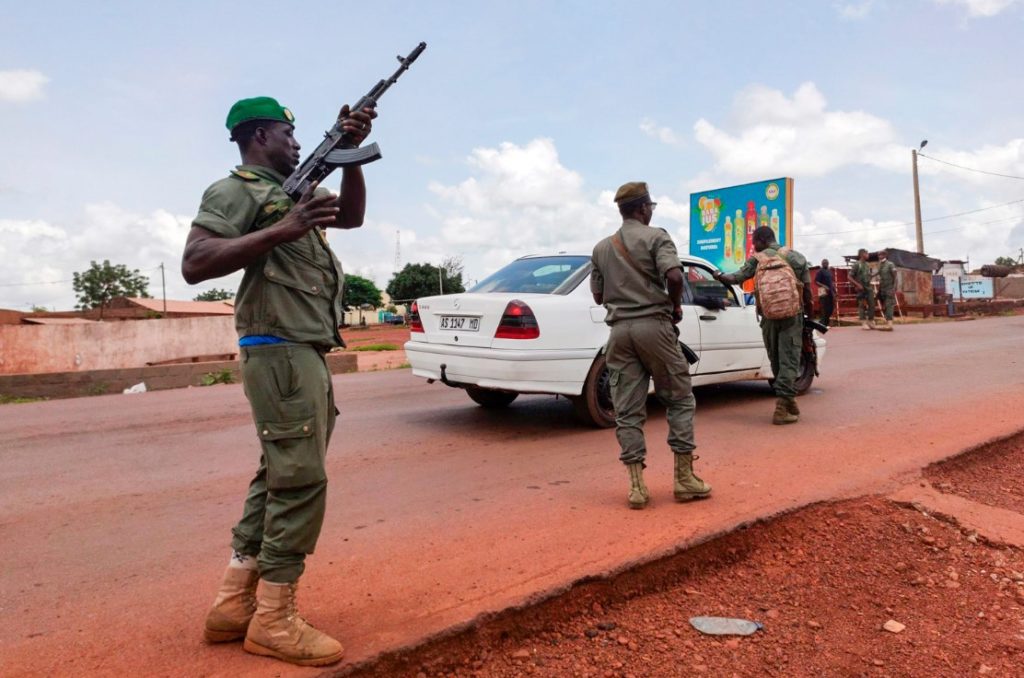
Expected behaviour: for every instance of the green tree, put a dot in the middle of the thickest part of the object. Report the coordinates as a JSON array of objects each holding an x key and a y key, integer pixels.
[
  {"x": 1006, "y": 261},
  {"x": 422, "y": 280},
  {"x": 215, "y": 294},
  {"x": 360, "y": 292},
  {"x": 102, "y": 282}
]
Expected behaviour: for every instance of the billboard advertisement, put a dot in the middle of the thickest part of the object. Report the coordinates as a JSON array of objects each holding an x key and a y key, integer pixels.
[{"x": 723, "y": 219}]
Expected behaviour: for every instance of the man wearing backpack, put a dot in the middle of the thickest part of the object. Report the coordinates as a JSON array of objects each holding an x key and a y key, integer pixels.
[{"x": 783, "y": 288}]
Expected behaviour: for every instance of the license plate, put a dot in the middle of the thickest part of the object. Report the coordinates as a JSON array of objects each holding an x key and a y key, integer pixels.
[{"x": 460, "y": 322}]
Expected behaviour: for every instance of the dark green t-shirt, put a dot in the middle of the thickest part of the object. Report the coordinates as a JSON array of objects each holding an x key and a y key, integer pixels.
[{"x": 292, "y": 292}]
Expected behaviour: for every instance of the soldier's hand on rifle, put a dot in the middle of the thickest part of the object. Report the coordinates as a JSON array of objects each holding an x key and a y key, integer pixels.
[
  {"x": 357, "y": 124},
  {"x": 677, "y": 314},
  {"x": 310, "y": 211}
]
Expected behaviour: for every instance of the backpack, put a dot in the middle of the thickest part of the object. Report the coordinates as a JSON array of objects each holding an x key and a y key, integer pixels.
[{"x": 776, "y": 287}]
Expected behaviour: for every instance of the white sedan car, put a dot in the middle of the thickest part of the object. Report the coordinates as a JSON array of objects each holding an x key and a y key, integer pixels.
[{"x": 533, "y": 327}]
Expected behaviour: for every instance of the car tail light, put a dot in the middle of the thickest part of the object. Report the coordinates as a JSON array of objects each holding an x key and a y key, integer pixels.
[
  {"x": 415, "y": 324},
  {"x": 517, "y": 322}
]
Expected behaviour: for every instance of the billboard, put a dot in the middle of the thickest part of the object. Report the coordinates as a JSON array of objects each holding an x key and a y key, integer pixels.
[{"x": 722, "y": 220}]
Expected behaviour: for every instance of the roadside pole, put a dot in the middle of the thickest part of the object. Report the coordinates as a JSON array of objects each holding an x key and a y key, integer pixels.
[{"x": 917, "y": 205}]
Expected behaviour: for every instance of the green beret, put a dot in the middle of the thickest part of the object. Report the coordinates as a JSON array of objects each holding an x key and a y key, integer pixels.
[
  {"x": 258, "y": 108},
  {"x": 634, "y": 190}
]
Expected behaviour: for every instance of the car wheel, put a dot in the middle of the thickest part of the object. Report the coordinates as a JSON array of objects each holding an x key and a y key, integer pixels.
[
  {"x": 805, "y": 376},
  {"x": 490, "y": 399},
  {"x": 594, "y": 405}
]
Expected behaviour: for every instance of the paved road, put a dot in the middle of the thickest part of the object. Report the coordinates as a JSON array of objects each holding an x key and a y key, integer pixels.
[{"x": 115, "y": 510}]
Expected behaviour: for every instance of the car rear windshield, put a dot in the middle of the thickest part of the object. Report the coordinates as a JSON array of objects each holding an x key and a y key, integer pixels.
[{"x": 534, "y": 275}]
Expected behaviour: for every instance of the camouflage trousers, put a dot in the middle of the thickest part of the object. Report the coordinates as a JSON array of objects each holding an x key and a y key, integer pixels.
[
  {"x": 292, "y": 399},
  {"x": 640, "y": 350},
  {"x": 866, "y": 304},
  {"x": 784, "y": 340},
  {"x": 888, "y": 301}
]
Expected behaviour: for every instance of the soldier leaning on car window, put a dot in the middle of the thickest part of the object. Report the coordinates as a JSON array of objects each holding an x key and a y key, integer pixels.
[
  {"x": 638, "y": 278},
  {"x": 287, "y": 313},
  {"x": 783, "y": 338}
]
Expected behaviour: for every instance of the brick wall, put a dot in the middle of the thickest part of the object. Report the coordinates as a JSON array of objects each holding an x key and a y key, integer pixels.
[{"x": 112, "y": 345}]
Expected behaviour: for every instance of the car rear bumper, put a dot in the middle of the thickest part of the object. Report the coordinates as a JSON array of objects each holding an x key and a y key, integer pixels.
[{"x": 560, "y": 371}]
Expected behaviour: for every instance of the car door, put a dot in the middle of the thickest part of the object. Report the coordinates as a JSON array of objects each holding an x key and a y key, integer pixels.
[{"x": 730, "y": 336}]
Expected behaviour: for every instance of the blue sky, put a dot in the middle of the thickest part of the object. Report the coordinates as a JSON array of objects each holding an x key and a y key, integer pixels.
[{"x": 514, "y": 128}]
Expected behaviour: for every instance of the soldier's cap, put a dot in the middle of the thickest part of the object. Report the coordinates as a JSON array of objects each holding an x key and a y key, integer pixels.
[
  {"x": 632, "y": 192},
  {"x": 258, "y": 108}
]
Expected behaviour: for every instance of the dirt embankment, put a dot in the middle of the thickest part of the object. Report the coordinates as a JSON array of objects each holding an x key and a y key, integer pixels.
[{"x": 823, "y": 581}]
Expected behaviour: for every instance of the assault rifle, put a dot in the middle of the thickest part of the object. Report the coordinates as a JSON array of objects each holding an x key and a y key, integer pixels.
[
  {"x": 809, "y": 323},
  {"x": 337, "y": 149}
]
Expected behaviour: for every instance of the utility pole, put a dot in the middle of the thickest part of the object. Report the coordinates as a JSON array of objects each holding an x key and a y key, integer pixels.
[
  {"x": 163, "y": 285},
  {"x": 440, "y": 280},
  {"x": 916, "y": 198},
  {"x": 917, "y": 205}
]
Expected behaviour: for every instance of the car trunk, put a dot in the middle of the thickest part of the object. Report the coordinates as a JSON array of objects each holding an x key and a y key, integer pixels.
[{"x": 465, "y": 319}]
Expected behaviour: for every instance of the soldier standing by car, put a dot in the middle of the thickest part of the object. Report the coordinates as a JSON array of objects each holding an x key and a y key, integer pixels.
[
  {"x": 783, "y": 336},
  {"x": 287, "y": 313},
  {"x": 638, "y": 278},
  {"x": 886, "y": 288},
  {"x": 860, "y": 276},
  {"x": 825, "y": 280}
]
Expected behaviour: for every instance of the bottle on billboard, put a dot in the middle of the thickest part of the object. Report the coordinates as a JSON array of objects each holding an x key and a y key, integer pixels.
[
  {"x": 739, "y": 237},
  {"x": 728, "y": 238},
  {"x": 751, "y": 225},
  {"x": 775, "y": 224}
]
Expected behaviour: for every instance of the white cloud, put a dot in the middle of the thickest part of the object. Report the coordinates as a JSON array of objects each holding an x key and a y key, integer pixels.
[
  {"x": 521, "y": 200},
  {"x": 854, "y": 11},
  {"x": 663, "y": 134},
  {"x": 41, "y": 257},
  {"x": 980, "y": 8},
  {"x": 797, "y": 135},
  {"x": 19, "y": 86}
]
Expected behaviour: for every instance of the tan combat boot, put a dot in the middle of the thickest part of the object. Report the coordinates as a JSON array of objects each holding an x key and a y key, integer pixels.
[
  {"x": 886, "y": 327},
  {"x": 865, "y": 325},
  {"x": 278, "y": 631},
  {"x": 638, "y": 494},
  {"x": 687, "y": 485},
  {"x": 782, "y": 414},
  {"x": 234, "y": 606},
  {"x": 792, "y": 407}
]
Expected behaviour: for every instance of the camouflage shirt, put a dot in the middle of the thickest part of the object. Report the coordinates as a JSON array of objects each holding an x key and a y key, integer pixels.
[{"x": 886, "y": 276}]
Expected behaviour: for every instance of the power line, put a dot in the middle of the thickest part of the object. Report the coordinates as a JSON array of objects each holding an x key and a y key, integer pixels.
[
  {"x": 26, "y": 284},
  {"x": 970, "y": 169},
  {"x": 910, "y": 223}
]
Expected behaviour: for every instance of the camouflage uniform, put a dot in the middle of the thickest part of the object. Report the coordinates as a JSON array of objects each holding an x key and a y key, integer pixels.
[
  {"x": 861, "y": 272},
  {"x": 887, "y": 287},
  {"x": 291, "y": 293}
]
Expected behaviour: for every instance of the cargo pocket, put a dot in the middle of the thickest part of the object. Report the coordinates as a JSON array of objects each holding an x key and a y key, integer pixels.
[
  {"x": 292, "y": 455},
  {"x": 679, "y": 380}
]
